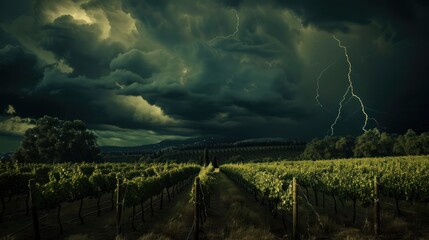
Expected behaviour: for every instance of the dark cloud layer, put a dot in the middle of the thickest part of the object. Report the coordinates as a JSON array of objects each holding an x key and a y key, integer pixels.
[
  {"x": 65, "y": 38},
  {"x": 18, "y": 70},
  {"x": 151, "y": 70},
  {"x": 395, "y": 19}
]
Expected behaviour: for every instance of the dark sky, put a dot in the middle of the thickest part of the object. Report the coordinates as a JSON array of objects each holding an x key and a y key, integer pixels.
[{"x": 140, "y": 71}]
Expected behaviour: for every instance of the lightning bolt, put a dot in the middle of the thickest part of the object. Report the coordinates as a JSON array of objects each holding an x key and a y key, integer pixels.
[
  {"x": 318, "y": 79},
  {"x": 237, "y": 28},
  {"x": 350, "y": 90},
  {"x": 119, "y": 85}
]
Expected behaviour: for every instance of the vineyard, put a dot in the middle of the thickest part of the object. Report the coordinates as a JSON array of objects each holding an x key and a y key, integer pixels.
[
  {"x": 363, "y": 181},
  {"x": 46, "y": 187},
  {"x": 41, "y": 201}
]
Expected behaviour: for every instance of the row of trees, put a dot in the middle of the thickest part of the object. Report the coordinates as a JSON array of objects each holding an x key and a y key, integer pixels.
[
  {"x": 53, "y": 141},
  {"x": 371, "y": 143}
]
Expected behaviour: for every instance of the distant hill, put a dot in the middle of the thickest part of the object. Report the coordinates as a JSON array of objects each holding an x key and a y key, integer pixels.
[
  {"x": 197, "y": 141},
  {"x": 200, "y": 142}
]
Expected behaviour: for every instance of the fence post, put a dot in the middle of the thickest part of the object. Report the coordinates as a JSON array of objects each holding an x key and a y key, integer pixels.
[
  {"x": 118, "y": 204},
  {"x": 294, "y": 212},
  {"x": 197, "y": 209},
  {"x": 34, "y": 213},
  {"x": 376, "y": 208}
]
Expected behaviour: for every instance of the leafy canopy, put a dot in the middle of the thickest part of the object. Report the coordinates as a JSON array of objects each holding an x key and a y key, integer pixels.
[{"x": 53, "y": 140}]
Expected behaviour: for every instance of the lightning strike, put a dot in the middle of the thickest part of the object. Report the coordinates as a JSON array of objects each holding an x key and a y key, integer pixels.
[
  {"x": 120, "y": 86},
  {"x": 237, "y": 28},
  {"x": 350, "y": 90},
  {"x": 318, "y": 80}
]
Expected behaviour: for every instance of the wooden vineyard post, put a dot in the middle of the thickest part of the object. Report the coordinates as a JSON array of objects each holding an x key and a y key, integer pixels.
[
  {"x": 80, "y": 211},
  {"x": 197, "y": 209},
  {"x": 118, "y": 204},
  {"x": 376, "y": 208},
  {"x": 294, "y": 212},
  {"x": 162, "y": 199},
  {"x": 134, "y": 214},
  {"x": 151, "y": 206},
  {"x": 142, "y": 209},
  {"x": 98, "y": 205},
  {"x": 34, "y": 213},
  {"x": 113, "y": 200},
  {"x": 59, "y": 219},
  {"x": 4, "y": 208},
  {"x": 323, "y": 199}
]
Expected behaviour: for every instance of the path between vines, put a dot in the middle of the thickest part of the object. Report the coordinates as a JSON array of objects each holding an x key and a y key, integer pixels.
[{"x": 233, "y": 214}]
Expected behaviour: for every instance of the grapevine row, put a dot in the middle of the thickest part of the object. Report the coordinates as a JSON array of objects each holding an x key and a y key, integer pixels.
[
  {"x": 402, "y": 178},
  {"x": 72, "y": 182}
]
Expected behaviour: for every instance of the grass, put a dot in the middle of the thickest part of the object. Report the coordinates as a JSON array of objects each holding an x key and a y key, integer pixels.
[
  {"x": 78, "y": 237},
  {"x": 153, "y": 236},
  {"x": 7, "y": 237},
  {"x": 233, "y": 216},
  {"x": 175, "y": 224},
  {"x": 251, "y": 233}
]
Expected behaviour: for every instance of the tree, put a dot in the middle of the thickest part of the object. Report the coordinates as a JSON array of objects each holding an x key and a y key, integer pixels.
[
  {"x": 321, "y": 148},
  {"x": 399, "y": 146},
  {"x": 53, "y": 140},
  {"x": 424, "y": 141},
  {"x": 344, "y": 146},
  {"x": 368, "y": 144},
  {"x": 314, "y": 149},
  {"x": 386, "y": 143},
  {"x": 411, "y": 144},
  {"x": 330, "y": 150}
]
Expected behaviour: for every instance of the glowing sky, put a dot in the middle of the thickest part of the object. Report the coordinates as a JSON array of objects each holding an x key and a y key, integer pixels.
[{"x": 139, "y": 72}]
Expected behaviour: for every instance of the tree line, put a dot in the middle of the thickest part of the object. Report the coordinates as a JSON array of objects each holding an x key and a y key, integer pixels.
[
  {"x": 52, "y": 140},
  {"x": 372, "y": 143}
]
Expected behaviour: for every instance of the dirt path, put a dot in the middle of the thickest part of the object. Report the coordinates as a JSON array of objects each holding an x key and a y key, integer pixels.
[
  {"x": 234, "y": 214},
  {"x": 172, "y": 224}
]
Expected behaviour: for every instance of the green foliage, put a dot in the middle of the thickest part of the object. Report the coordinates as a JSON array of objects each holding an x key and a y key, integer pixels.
[
  {"x": 344, "y": 146},
  {"x": 206, "y": 181},
  {"x": 325, "y": 148},
  {"x": 412, "y": 144},
  {"x": 54, "y": 141},
  {"x": 270, "y": 183},
  {"x": 71, "y": 182},
  {"x": 371, "y": 143},
  {"x": 368, "y": 144},
  {"x": 405, "y": 178}
]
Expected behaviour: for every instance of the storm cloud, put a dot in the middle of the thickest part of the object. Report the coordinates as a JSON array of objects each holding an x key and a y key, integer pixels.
[{"x": 142, "y": 71}]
